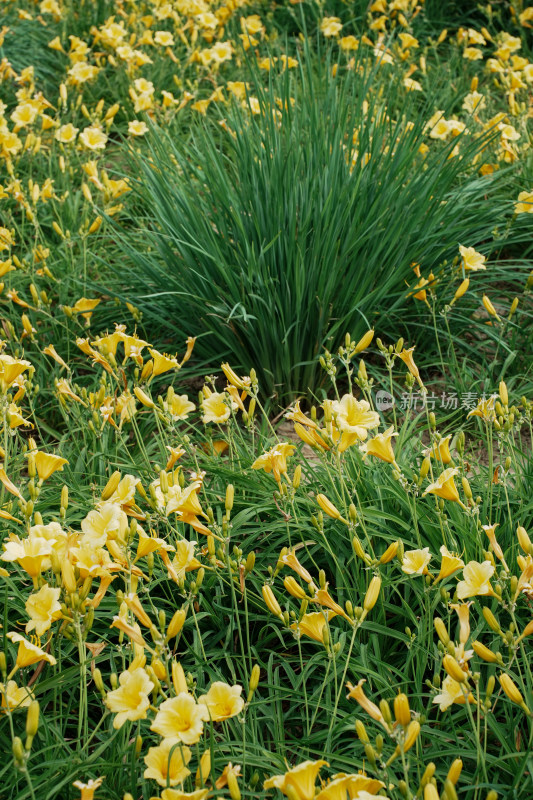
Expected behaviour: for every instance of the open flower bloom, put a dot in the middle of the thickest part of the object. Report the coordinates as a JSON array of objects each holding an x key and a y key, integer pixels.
[
  {"x": 300, "y": 779},
  {"x": 313, "y": 625},
  {"x": 323, "y": 597},
  {"x": 216, "y": 406},
  {"x": 452, "y": 692},
  {"x": 380, "y": 446},
  {"x": 407, "y": 358},
  {"x": 471, "y": 259},
  {"x": 166, "y": 769},
  {"x": 222, "y": 701},
  {"x": 524, "y": 203},
  {"x": 32, "y": 553},
  {"x": 43, "y": 608},
  {"x": 484, "y": 409},
  {"x": 476, "y": 580},
  {"x": 48, "y": 463},
  {"x": 356, "y": 786},
  {"x": 357, "y": 693},
  {"x": 275, "y": 459},
  {"x": 450, "y": 563},
  {"x": 181, "y": 719},
  {"x": 290, "y": 560},
  {"x": 10, "y": 369},
  {"x": 354, "y": 418},
  {"x": 28, "y": 653},
  {"x": 440, "y": 451},
  {"x": 498, "y": 552},
  {"x": 14, "y": 696},
  {"x": 463, "y": 612},
  {"x": 445, "y": 486},
  {"x": 109, "y": 521},
  {"x": 415, "y": 561},
  {"x": 131, "y": 700},
  {"x": 179, "y": 407},
  {"x": 176, "y": 794},
  {"x": 88, "y": 789}
]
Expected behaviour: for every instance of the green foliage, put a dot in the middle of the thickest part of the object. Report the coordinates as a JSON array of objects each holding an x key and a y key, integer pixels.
[{"x": 301, "y": 222}]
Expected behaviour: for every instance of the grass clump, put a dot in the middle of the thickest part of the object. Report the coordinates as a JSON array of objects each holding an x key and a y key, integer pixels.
[{"x": 304, "y": 219}]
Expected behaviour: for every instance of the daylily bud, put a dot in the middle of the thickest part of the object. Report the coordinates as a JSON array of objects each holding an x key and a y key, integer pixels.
[
  {"x": 294, "y": 588},
  {"x": 361, "y": 731},
  {"x": 389, "y": 553},
  {"x": 176, "y": 624},
  {"x": 372, "y": 593},
  {"x": 442, "y": 633},
  {"x": 271, "y": 602},
  {"x": 412, "y": 735},
  {"x": 401, "y": 710},
  {"x": 491, "y": 620},
  {"x": 143, "y": 397},
  {"x": 524, "y": 540},
  {"x": 328, "y": 507},
  {"x": 489, "y": 307},
  {"x": 32, "y": 719},
  {"x": 111, "y": 485},
  {"x": 455, "y": 771},
  {"x": 230, "y": 494},
  {"x": 510, "y": 688},
  {"x": 364, "y": 342},
  {"x": 484, "y": 653},
  {"x": 453, "y": 669},
  {"x": 463, "y": 288},
  {"x": 504, "y": 396},
  {"x": 254, "y": 679}
]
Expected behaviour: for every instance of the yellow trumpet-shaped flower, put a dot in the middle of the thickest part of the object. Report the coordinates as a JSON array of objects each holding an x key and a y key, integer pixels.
[
  {"x": 222, "y": 701},
  {"x": 181, "y": 719},
  {"x": 415, "y": 562},
  {"x": 131, "y": 700},
  {"x": 490, "y": 531},
  {"x": 14, "y": 696},
  {"x": 300, "y": 779},
  {"x": 275, "y": 459},
  {"x": 239, "y": 383},
  {"x": 43, "y": 608},
  {"x": 484, "y": 409},
  {"x": 445, "y": 486},
  {"x": 476, "y": 580},
  {"x": 162, "y": 362},
  {"x": 524, "y": 203},
  {"x": 407, "y": 358},
  {"x": 463, "y": 612},
  {"x": 179, "y": 407},
  {"x": 440, "y": 451},
  {"x": 357, "y": 693},
  {"x": 88, "y": 789},
  {"x": 471, "y": 259},
  {"x": 177, "y": 794},
  {"x": 450, "y": 564},
  {"x": 290, "y": 560},
  {"x": 323, "y": 598},
  {"x": 354, "y": 417},
  {"x": 313, "y": 625},
  {"x": 356, "y": 786},
  {"x": 216, "y": 407},
  {"x": 10, "y": 369},
  {"x": 452, "y": 692},
  {"x": 31, "y": 554},
  {"x": 28, "y": 653},
  {"x": 48, "y": 463},
  {"x": 380, "y": 446},
  {"x": 167, "y": 769}
]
